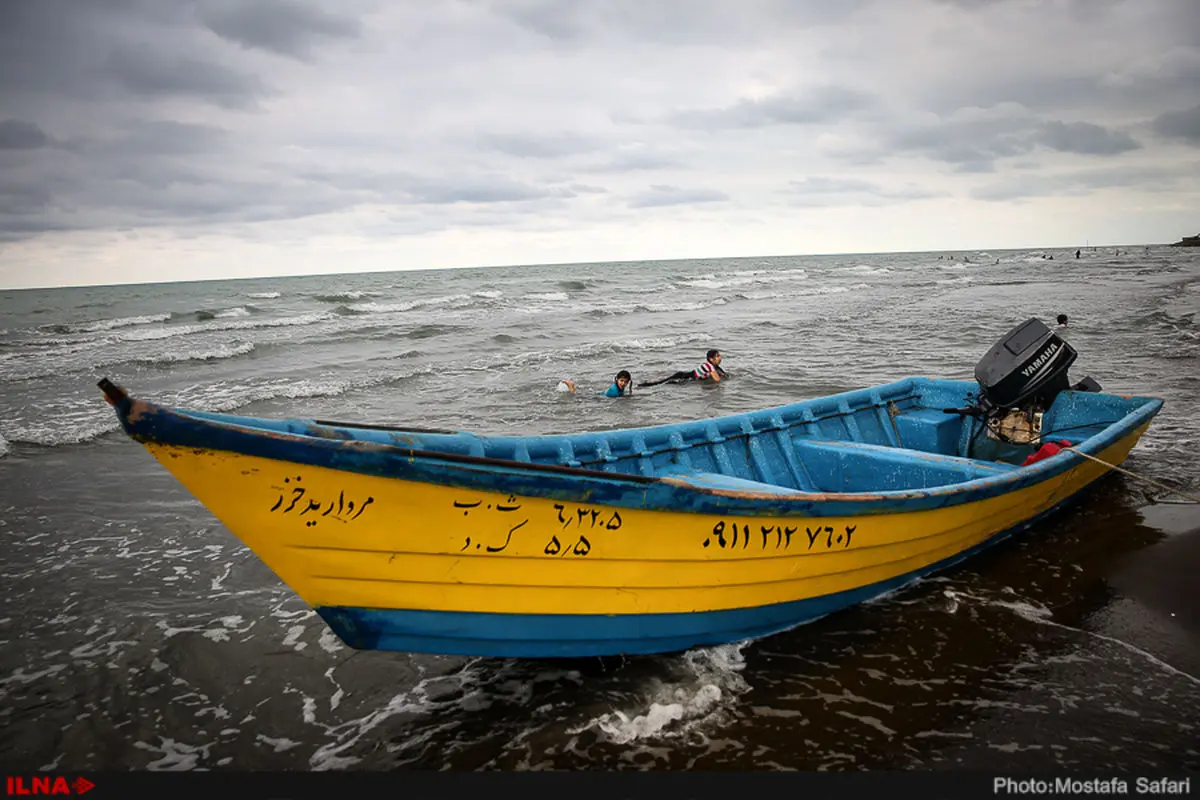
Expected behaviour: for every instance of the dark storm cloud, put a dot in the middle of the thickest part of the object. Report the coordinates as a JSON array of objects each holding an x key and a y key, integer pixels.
[
  {"x": 1080, "y": 182},
  {"x": 193, "y": 113},
  {"x": 1106, "y": 56},
  {"x": 51, "y": 51},
  {"x": 17, "y": 134},
  {"x": 99, "y": 82},
  {"x": 974, "y": 144},
  {"x": 1076, "y": 7},
  {"x": 821, "y": 191},
  {"x": 805, "y": 107},
  {"x": 283, "y": 27},
  {"x": 402, "y": 187},
  {"x": 142, "y": 138},
  {"x": 661, "y": 195},
  {"x": 150, "y": 73},
  {"x": 970, "y": 4},
  {"x": 1085, "y": 138},
  {"x": 1183, "y": 125},
  {"x": 669, "y": 21},
  {"x": 22, "y": 198},
  {"x": 1048, "y": 93},
  {"x": 160, "y": 173},
  {"x": 120, "y": 192}
]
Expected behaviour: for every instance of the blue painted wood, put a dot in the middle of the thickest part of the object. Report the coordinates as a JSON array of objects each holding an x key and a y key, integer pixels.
[
  {"x": 581, "y": 635},
  {"x": 624, "y": 464},
  {"x": 856, "y": 467}
]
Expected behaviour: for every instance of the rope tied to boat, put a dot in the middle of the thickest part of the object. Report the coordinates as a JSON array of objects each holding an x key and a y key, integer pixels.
[{"x": 1123, "y": 471}]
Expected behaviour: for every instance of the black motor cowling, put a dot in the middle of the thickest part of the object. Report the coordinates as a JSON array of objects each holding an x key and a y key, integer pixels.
[
  {"x": 1019, "y": 377},
  {"x": 1026, "y": 367}
]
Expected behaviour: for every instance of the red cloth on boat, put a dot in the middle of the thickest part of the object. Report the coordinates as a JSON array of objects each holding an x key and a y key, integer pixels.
[{"x": 1045, "y": 451}]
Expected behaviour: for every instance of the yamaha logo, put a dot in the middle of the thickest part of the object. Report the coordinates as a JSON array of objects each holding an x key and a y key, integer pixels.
[{"x": 1041, "y": 360}]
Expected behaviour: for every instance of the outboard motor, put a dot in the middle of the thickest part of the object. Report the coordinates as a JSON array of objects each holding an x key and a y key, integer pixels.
[{"x": 1019, "y": 379}]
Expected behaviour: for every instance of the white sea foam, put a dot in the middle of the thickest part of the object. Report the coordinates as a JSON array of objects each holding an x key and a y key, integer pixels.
[
  {"x": 90, "y": 420},
  {"x": 218, "y": 583},
  {"x": 263, "y": 295},
  {"x": 221, "y": 397},
  {"x": 823, "y": 290},
  {"x": 730, "y": 280},
  {"x": 451, "y": 301},
  {"x": 867, "y": 269},
  {"x": 280, "y": 745},
  {"x": 234, "y": 325},
  {"x": 3, "y": 446},
  {"x": 417, "y": 700},
  {"x": 19, "y": 675},
  {"x": 292, "y": 639},
  {"x": 228, "y": 350},
  {"x": 70, "y": 426},
  {"x": 711, "y": 681},
  {"x": 94, "y": 326},
  {"x": 175, "y": 756},
  {"x": 329, "y": 641},
  {"x": 344, "y": 297}
]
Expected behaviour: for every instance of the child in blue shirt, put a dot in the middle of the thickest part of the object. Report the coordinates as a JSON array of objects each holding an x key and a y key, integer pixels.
[{"x": 622, "y": 385}]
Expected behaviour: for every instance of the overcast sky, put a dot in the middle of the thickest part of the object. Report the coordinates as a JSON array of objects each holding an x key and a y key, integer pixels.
[{"x": 180, "y": 139}]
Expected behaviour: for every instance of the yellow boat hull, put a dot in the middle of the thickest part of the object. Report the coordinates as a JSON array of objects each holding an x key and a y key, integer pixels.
[
  {"x": 343, "y": 540},
  {"x": 403, "y": 547}
]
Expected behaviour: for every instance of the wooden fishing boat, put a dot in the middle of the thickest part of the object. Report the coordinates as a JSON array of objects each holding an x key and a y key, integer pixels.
[{"x": 641, "y": 540}]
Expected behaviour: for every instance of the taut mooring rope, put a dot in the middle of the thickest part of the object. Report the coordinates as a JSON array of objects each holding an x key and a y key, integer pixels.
[{"x": 1193, "y": 498}]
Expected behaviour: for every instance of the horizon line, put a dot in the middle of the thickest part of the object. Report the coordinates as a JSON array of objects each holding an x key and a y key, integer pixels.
[{"x": 569, "y": 264}]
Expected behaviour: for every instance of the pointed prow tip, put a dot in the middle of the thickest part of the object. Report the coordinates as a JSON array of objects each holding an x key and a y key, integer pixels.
[{"x": 115, "y": 395}]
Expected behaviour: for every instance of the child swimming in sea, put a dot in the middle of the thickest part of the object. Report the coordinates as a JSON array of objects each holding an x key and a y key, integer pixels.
[{"x": 622, "y": 385}]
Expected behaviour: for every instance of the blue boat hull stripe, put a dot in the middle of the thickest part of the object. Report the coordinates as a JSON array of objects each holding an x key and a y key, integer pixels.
[{"x": 580, "y": 635}]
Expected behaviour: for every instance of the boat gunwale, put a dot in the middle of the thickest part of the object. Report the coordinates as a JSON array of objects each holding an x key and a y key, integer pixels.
[{"x": 131, "y": 410}]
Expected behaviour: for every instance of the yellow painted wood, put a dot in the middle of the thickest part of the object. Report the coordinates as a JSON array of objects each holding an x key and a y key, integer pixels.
[{"x": 344, "y": 539}]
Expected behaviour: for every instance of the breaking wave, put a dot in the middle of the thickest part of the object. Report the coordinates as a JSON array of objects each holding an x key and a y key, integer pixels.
[
  {"x": 229, "y": 313},
  {"x": 235, "y": 325},
  {"x": 344, "y": 297},
  {"x": 94, "y": 326},
  {"x": 729, "y": 280},
  {"x": 222, "y": 351},
  {"x": 83, "y": 420}
]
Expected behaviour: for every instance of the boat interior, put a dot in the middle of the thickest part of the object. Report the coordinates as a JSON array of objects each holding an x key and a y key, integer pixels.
[{"x": 887, "y": 438}]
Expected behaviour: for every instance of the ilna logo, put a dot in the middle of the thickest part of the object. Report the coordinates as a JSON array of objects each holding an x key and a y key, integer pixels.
[{"x": 45, "y": 784}]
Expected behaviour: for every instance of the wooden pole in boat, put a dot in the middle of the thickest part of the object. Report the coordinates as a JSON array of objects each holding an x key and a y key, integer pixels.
[{"x": 1193, "y": 498}]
